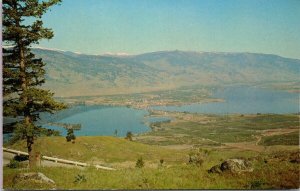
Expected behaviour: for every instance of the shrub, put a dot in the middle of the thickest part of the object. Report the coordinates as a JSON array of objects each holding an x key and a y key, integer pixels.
[
  {"x": 16, "y": 161},
  {"x": 20, "y": 158},
  {"x": 161, "y": 162},
  {"x": 70, "y": 135},
  {"x": 14, "y": 164},
  {"x": 195, "y": 159},
  {"x": 139, "y": 163},
  {"x": 256, "y": 184},
  {"x": 129, "y": 136},
  {"x": 79, "y": 178},
  {"x": 198, "y": 156}
]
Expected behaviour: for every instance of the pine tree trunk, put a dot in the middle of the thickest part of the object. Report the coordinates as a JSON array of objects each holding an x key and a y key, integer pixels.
[
  {"x": 31, "y": 152},
  {"x": 27, "y": 121}
]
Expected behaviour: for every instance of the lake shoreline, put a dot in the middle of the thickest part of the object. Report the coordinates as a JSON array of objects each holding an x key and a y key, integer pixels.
[{"x": 225, "y": 101}]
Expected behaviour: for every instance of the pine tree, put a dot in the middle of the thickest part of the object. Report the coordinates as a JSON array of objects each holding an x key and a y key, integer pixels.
[
  {"x": 70, "y": 135},
  {"x": 23, "y": 73},
  {"x": 129, "y": 136}
]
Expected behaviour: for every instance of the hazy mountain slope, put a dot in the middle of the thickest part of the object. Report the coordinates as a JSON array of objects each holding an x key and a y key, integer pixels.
[
  {"x": 228, "y": 67},
  {"x": 78, "y": 74}
]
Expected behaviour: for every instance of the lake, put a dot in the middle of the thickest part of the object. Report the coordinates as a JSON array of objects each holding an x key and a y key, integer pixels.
[
  {"x": 244, "y": 100},
  {"x": 100, "y": 120},
  {"x": 107, "y": 120},
  {"x": 104, "y": 120}
]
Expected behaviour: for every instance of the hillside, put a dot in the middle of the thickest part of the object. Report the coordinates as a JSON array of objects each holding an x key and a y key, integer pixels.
[
  {"x": 118, "y": 152},
  {"x": 72, "y": 74},
  {"x": 271, "y": 170}
]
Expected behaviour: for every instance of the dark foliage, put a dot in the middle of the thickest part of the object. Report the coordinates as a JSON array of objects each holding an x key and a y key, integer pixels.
[{"x": 23, "y": 73}]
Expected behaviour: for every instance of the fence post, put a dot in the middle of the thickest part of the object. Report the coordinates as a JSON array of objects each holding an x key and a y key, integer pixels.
[{"x": 38, "y": 158}]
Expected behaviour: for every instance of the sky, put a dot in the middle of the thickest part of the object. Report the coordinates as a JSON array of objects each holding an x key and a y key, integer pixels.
[{"x": 139, "y": 26}]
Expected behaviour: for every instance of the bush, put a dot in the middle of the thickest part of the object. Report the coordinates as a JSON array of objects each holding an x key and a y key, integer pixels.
[
  {"x": 161, "y": 161},
  {"x": 139, "y": 163},
  {"x": 20, "y": 158},
  {"x": 14, "y": 164},
  {"x": 129, "y": 136},
  {"x": 256, "y": 184},
  {"x": 79, "y": 178},
  {"x": 198, "y": 157},
  {"x": 70, "y": 136},
  {"x": 16, "y": 161}
]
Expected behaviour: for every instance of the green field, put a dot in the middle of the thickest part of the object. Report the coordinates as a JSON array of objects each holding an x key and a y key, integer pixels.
[
  {"x": 285, "y": 139},
  {"x": 210, "y": 130}
]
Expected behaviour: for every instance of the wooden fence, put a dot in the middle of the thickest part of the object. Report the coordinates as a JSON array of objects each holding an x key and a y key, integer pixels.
[{"x": 58, "y": 160}]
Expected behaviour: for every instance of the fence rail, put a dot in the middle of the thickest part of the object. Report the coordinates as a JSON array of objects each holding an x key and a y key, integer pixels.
[
  {"x": 14, "y": 151},
  {"x": 58, "y": 160}
]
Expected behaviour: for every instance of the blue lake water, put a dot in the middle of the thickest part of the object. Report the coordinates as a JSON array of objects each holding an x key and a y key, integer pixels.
[
  {"x": 245, "y": 100},
  {"x": 105, "y": 120}
]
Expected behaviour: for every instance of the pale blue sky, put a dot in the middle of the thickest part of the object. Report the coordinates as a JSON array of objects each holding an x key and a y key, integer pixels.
[{"x": 138, "y": 26}]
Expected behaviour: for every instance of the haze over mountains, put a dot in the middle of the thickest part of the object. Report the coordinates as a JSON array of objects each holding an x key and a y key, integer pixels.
[{"x": 72, "y": 74}]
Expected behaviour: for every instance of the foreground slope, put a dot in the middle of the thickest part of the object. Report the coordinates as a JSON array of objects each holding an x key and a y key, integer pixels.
[
  {"x": 117, "y": 152},
  {"x": 275, "y": 170}
]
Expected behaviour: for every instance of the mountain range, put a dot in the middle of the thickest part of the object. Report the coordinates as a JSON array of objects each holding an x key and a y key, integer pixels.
[{"x": 74, "y": 74}]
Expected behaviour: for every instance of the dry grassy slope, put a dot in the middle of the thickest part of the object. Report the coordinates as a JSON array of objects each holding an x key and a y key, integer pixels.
[
  {"x": 277, "y": 173},
  {"x": 97, "y": 75},
  {"x": 101, "y": 149}
]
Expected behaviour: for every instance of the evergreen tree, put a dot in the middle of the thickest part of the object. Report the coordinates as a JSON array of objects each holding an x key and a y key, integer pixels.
[
  {"x": 129, "y": 136},
  {"x": 23, "y": 73},
  {"x": 70, "y": 135}
]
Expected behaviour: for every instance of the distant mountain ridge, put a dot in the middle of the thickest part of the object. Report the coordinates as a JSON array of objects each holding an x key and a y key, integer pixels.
[{"x": 74, "y": 74}]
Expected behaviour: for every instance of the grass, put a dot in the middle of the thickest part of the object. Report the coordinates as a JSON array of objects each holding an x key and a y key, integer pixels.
[
  {"x": 164, "y": 178},
  {"x": 102, "y": 150},
  {"x": 118, "y": 152},
  {"x": 285, "y": 139},
  {"x": 276, "y": 174}
]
